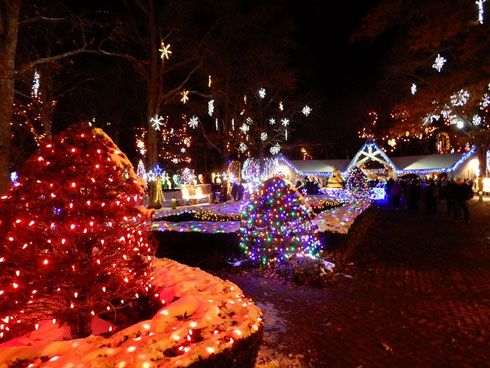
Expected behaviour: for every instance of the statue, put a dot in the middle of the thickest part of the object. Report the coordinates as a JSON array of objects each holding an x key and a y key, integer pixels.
[{"x": 335, "y": 181}]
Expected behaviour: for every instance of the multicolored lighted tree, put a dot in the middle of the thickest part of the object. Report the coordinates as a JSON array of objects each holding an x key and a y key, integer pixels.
[
  {"x": 357, "y": 183},
  {"x": 74, "y": 240},
  {"x": 276, "y": 225}
]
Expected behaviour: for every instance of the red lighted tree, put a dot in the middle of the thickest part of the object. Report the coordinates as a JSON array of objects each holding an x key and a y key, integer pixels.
[{"x": 74, "y": 240}]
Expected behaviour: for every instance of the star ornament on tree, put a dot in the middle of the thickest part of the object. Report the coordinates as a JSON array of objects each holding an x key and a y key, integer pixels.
[
  {"x": 156, "y": 122},
  {"x": 164, "y": 51},
  {"x": 272, "y": 121},
  {"x": 285, "y": 122},
  {"x": 193, "y": 122},
  {"x": 439, "y": 62}
]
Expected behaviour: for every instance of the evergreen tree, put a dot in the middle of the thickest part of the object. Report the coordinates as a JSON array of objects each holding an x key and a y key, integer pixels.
[
  {"x": 276, "y": 224},
  {"x": 357, "y": 183},
  {"x": 73, "y": 235}
]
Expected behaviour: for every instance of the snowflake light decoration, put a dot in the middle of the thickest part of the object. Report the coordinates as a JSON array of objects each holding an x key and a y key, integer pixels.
[
  {"x": 164, "y": 51},
  {"x": 459, "y": 122},
  {"x": 36, "y": 84},
  {"x": 485, "y": 100},
  {"x": 439, "y": 62},
  {"x": 156, "y": 122},
  {"x": 210, "y": 107},
  {"x": 285, "y": 122},
  {"x": 413, "y": 89},
  {"x": 460, "y": 98},
  {"x": 446, "y": 111},
  {"x": 244, "y": 128},
  {"x": 275, "y": 149},
  {"x": 242, "y": 147},
  {"x": 429, "y": 118},
  {"x": 272, "y": 121},
  {"x": 263, "y": 136},
  {"x": 306, "y": 110},
  {"x": 175, "y": 161},
  {"x": 182, "y": 150},
  {"x": 262, "y": 92},
  {"x": 249, "y": 120},
  {"x": 193, "y": 122},
  {"x": 141, "y": 146},
  {"x": 476, "y": 120},
  {"x": 185, "y": 96}
]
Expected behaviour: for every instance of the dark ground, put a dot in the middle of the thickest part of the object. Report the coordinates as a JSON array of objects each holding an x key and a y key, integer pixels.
[{"x": 416, "y": 295}]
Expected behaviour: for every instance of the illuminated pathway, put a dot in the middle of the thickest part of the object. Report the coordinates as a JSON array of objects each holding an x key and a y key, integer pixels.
[{"x": 418, "y": 294}]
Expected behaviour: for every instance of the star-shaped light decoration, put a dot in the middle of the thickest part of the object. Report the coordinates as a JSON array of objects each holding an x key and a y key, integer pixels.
[
  {"x": 182, "y": 150},
  {"x": 285, "y": 122},
  {"x": 193, "y": 122},
  {"x": 249, "y": 120},
  {"x": 210, "y": 107},
  {"x": 413, "y": 88},
  {"x": 164, "y": 51},
  {"x": 263, "y": 136},
  {"x": 242, "y": 147},
  {"x": 275, "y": 149},
  {"x": 272, "y": 121},
  {"x": 156, "y": 122},
  {"x": 158, "y": 171},
  {"x": 150, "y": 176},
  {"x": 306, "y": 110},
  {"x": 262, "y": 92},
  {"x": 185, "y": 96},
  {"x": 244, "y": 128},
  {"x": 439, "y": 62}
]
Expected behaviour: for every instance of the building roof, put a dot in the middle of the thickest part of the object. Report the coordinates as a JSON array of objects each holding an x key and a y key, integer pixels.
[
  {"x": 421, "y": 164},
  {"x": 426, "y": 162},
  {"x": 317, "y": 166}
]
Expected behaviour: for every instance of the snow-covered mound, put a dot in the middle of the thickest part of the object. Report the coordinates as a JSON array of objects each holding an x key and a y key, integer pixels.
[
  {"x": 340, "y": 219},
  {"x": 202, "y": 316}
]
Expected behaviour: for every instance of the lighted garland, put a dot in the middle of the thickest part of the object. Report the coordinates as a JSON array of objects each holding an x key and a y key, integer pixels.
[
  {"x": 357, "y": 183},
  {"x": 276, "y": 224}
]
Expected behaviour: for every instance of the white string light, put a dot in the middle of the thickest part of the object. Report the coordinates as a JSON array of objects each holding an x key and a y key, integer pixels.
[{"x": 480, "y": 10}]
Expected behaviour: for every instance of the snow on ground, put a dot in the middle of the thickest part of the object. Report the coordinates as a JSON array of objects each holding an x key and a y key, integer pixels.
[
  {"x": 340, "y": 219},
  {"x": 202, "y": 315}
]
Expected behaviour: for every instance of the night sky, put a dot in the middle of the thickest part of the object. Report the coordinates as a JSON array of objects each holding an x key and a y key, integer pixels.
[{"x": 337, "y": 75}]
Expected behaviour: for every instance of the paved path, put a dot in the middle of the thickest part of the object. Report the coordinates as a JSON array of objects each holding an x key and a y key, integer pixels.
[{"x": 417, "y": 295}]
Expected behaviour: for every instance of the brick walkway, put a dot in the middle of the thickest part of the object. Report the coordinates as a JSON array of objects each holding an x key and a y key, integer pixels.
[{"x": 418, "y": 295}]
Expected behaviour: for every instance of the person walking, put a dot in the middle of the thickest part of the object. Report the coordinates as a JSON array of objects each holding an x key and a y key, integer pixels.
[
  {"x": 396, "y": 193},
  {"x": 463, "y": 193}
]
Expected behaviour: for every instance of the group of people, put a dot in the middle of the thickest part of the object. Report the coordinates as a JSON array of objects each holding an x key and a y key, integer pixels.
[
  {"x": 431, "y": 193},
  {"x": 221, "y": 192}
]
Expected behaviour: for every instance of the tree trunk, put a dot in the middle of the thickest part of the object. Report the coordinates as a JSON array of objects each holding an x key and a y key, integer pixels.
[
  {"x": 81, "y": 325},
  {"x": 9, "y": 22},
  {"x": 152, "y": 87}
]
